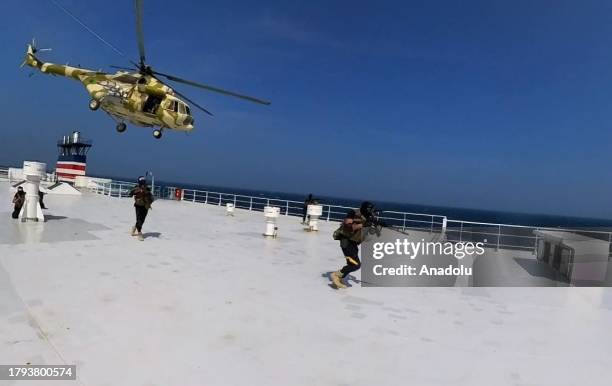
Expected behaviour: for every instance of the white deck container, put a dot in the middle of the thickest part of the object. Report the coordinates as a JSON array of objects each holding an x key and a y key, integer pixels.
[{"x": 579, "y": 258}]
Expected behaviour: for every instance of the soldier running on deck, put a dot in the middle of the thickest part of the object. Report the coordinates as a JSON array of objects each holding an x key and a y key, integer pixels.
[
  {"x": 143, "y": 198},
  {"x": 307, "y": 202},
  {"x": 350, "y": 235},
  {"x": 18, "y": 201}
]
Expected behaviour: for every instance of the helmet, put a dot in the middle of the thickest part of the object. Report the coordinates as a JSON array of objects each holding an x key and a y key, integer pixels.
[
  {"x": 142, "y": 180},
  {"x": 366, "y": 209}
]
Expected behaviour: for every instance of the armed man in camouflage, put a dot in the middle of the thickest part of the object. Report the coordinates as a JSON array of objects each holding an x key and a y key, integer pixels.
[
  {"x": 143, "y": 198},
  {"x": 350, "y": 235},
  {"x": 18, "y": 201}
]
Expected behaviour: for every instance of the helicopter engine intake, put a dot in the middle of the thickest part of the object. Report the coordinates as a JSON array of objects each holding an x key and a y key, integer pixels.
[{"x": 152, "y": 90}]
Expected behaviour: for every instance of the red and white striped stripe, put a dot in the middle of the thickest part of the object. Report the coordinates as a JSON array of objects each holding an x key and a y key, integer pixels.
[{"x": 68, "y": 171}]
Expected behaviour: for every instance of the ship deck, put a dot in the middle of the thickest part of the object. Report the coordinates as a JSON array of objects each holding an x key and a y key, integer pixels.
[{"x": 206, "y": 300}]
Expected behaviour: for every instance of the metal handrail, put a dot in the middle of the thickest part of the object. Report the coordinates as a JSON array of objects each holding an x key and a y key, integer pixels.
[
  {"x": 295, "y": 208},
  {"x": 451, "y": 228},
  {"x": 4, "y": 173},
  {"x": 499, "y": 236},
  {"x": 119, "y": 189},
  {"x": 454, "y": 230},
  {"x": 521, "y": 237}
]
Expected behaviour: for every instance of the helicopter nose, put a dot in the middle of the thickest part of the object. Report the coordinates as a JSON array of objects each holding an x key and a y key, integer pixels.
[{"x": 189, "y": 121}]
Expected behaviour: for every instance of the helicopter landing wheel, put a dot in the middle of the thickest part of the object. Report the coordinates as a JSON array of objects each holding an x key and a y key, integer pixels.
[
  {"x": 157, "y": 134},
  {"x": 94, "y": 105},
  {"x": 121, "y": 127}
]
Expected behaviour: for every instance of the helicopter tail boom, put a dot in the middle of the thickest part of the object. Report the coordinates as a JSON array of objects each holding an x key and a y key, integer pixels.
[{"x": 50, "y": 68}]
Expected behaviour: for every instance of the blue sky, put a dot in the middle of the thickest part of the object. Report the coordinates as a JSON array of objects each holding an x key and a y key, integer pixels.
[{"x": 482, "y": 104}]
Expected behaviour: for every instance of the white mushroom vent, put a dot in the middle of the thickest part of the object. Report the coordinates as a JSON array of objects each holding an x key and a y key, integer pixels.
[
  {"x": 33, "y": 173},
  {"x": 271, "y": 213},
  {"x": 314, "y": 211}
]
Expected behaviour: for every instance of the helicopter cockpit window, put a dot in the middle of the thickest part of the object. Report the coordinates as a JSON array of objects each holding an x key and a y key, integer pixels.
[
  {"x": 171, "y": 105},
  {"x": 181, "y": 108},
  {"x": 187, "y": 110}
]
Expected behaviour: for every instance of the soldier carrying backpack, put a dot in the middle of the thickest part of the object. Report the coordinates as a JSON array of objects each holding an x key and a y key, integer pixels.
[
  {"x": 143, "y": 198},
  {"x": 350, "y": 235},
  {"x": 18, "y": 201}
]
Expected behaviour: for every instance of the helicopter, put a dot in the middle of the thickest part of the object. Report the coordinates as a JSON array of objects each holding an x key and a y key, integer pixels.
[{"x": 137, "y": 95}]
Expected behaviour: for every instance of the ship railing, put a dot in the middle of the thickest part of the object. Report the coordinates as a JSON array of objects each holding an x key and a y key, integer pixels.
[
  {"x": 398, "y": 220},
  {"x": 4, "y": 173},
  {"x": 492, "y": 235},
  {"x": 413, "y": 221},
  {"x": 507, "y": 236},
  {"x": 119, "y": 189}
]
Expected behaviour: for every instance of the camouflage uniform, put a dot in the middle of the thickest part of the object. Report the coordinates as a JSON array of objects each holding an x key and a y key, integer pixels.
[
  {"x": 18, "y": 201},
  {"x": 350, "y": 238},
  {"x": 142, "y": 203}
]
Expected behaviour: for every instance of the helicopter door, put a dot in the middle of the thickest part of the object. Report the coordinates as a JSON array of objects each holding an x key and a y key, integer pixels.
[{"x": 151, "y": 104}]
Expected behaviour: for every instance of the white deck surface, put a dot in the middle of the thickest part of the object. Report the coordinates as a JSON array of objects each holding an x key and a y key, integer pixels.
[{"x": 206, "y": 300}]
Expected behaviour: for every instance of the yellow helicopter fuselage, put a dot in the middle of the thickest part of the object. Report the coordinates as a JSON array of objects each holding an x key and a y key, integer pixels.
[{"x": 140, "y": 99}]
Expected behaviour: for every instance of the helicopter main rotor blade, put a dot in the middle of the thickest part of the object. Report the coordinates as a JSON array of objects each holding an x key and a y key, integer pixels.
[
  {"x": 139, "y": 32},
  {"x": 123, "y": 68},
  {"x": 186, "y": 98},
  {"x": 211, "y": 88},
  {"x": 193, "y": 103}
]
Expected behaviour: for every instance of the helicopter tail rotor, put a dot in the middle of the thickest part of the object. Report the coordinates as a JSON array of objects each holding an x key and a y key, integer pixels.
[
  {"x": 32, "y": 47},
  {"x": 31, "y": 59}
]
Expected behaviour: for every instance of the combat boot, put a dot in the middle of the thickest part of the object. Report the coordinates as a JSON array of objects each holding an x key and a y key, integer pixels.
[
  {"x": 140, "y": 236},
  {"x": 134, "y": 233},
  {"x": 336, "y": 278}
]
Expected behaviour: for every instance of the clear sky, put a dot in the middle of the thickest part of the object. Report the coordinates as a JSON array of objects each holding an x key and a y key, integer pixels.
[{"x": 500, "y": 105}]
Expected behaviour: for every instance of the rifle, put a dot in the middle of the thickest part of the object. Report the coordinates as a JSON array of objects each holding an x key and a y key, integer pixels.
[{"x": 374, "y": 223}]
